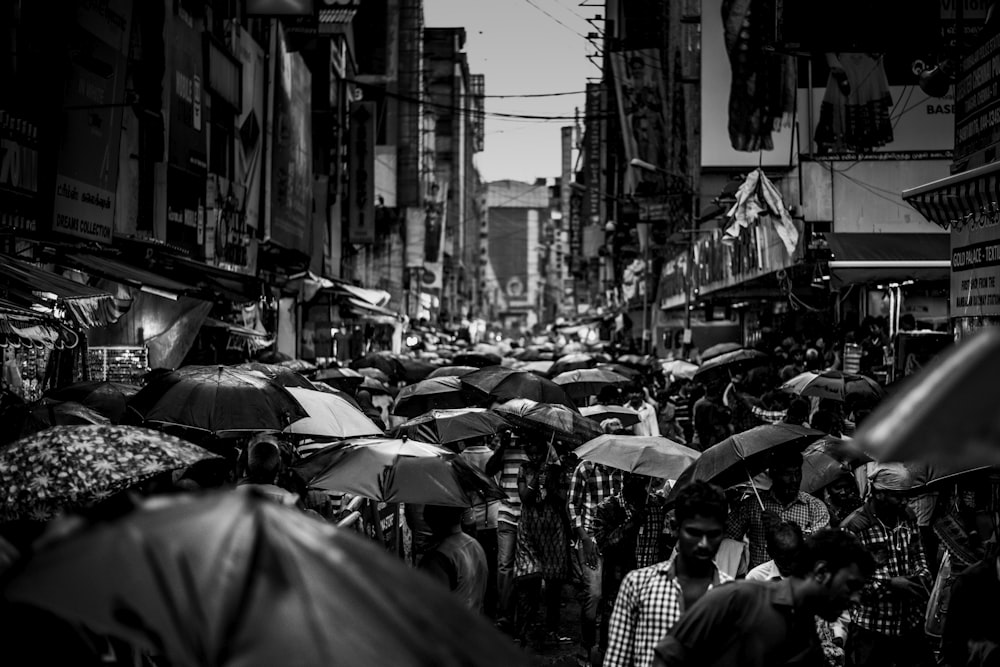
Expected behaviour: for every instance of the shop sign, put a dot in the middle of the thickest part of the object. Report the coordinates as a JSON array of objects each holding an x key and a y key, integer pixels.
[
  {"x": 187, "y": 139},
  {"x": 361, "y": 188},
  {"x": 975, "y": 266},
  {"x": 639, "y": 89},
  {"x": 977, "y": 100},
  {"x": 593, "y": 205},
  {"x": 87, "y": 172}
]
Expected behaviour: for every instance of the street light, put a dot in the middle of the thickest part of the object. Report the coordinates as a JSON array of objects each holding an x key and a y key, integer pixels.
[{"x": 692, "y": 232}]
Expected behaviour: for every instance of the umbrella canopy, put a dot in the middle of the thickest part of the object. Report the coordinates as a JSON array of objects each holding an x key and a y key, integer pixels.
[
  {"x": 636, "y": 360},
  {"x": 383, "y": 361},
  {"x": 729, "y": 362},
  {"x": 586, "y": 382},
  {"x": 540, "y": 368},
  {"x": 599, "y": 413},
  {"x": 477, "y": 359},
  {"x": 452, "y": 371},
  {"x": 74, "y": 466},
  {"x": 572, "y": 362},
  {"x": 743, "y": 455},
  {"x": 277, "y": 373},
  {"x": 46, "y": 412},
  {"x": 415, "y": 370},
  {"x": 825, "y": 459},
  {"x": 679, "y": 368},
  {"x": 330, "y": 416},
  {"x": 375, "y": 387},
  {"x": 530, "y": 353},
  {"x": 835, "y": 385},
  {"x": 397, "y": 471},
  {"x": 344, "y": 376},
  {"x": 231, "y": 580},
  {"x": 372, "y": 372},
  {"x": 216, "y": 399},
  {"x": 720, "y": 348},
  {"x": 107, "y": 398},
  {"x": 298, "y": 365},
  {"x": 945, "y": 414},
  {"x": 435, "y": 394},
  {"x": 645, "y": 455},
  {"x": 504, "y": 384},
  {"x": 628, "y": 371},
  {"x": 557, "y": 420},
  {"x": 449, "y": 426}
]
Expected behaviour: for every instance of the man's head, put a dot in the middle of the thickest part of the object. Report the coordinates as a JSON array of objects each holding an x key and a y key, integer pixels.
[
  {"x": 784, "y": 542},
  {"x": 635, "y": 487},
  {"x": 536, "y": 450},
  {"x": 785, "y": 471},
  {"x": 635, "y": 398},
  {"x": 834, "y": 566},
  {"x": 263, "y": 460},
  {"x": 889, "y": 483},
  {"x": 700, "y": 511},
  {"x": 798, "y": 411},
  {"x": 443, "y": 520},
  {"x": 844, "y": 489},
  {"x": 612, "y": 425}
]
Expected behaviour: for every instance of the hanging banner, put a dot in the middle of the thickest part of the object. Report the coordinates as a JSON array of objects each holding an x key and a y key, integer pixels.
[
  {"x": 639, "y": 89},
  {"x": 250, "y": 146},
  {"x": 435, "y": 223},
  {"x": 416, "y": 230},
  {"x": 361, "y": 174},
  {"x": 87, "y": 172},
  {"x": 592, "y": 215},
  {"x": 291, "y": 159}
]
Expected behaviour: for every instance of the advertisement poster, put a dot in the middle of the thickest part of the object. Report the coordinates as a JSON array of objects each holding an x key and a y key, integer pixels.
[
  {"x": 361, "y": 172},
  {"x": 509, "y": 229},
  {"x": 640, "y": 93},
  {"x": 593, "y": 155},
  {"x": 291, "y": 166},
  {"x": 975, "y": 268},
  {"x": 249, "y": 148},
  {"x": 435, "y": 223},
  {"x": 87, "y": 173},
  {"x": 187, "y": 144}
]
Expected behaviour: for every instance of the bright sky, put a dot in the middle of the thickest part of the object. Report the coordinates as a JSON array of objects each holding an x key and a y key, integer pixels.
[{"x": 521, "y": 50}]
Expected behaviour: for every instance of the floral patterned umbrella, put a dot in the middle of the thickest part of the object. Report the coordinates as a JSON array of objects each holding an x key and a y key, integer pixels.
[{"x": 73, "y": 466}]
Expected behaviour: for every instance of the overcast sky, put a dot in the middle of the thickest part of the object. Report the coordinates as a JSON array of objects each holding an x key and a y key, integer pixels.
[{"x": 521, "y": 50}]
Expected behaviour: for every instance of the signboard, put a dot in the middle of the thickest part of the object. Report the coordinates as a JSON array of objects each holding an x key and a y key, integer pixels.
[
  {"x": 977, "y": 102},
  {"x": 592, "y": 215},
  {"x": 249, "y": 148},
  {"x": 361, "y": 170},
  {"x": 975, "y": 267},
  {"x": 87, "y": 172},
  {"x": 640, "y": 92}
]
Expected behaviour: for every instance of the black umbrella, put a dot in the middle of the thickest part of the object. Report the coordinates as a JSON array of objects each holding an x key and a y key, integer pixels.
[
  {"x": 477, "y": 359},
  {"x": 277, "y": 373},
  {"x": 556, "y": 420},
  {"x": 435, "y": 394},
  {"x": 727, "y": 363},
  {"x": 452, "y": 371},
  {"x": 385, "y": 362},
  {"x": 504, "y": 384},
  {"x": 445, "y": 427},
  {"x": 107, "y": 398}
]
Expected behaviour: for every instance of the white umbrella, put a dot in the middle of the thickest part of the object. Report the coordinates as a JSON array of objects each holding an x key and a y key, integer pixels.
[{"x": 329, "y": 416}]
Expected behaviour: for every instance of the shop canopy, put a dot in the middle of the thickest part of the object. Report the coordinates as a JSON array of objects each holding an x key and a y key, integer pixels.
[
  {"x": 311, "y": 285},
  {"x": 365, "y": 309},
  {"x": 225, "y": 285},
  {"x": 956, "y": 198},
  {"x": 21, "y": 327},
  {"x": 126, "y": 274},
  {"x": 887, "y": 258},
  {"x": 35, "y": 287},
  {"x": 241, "y": 336}
]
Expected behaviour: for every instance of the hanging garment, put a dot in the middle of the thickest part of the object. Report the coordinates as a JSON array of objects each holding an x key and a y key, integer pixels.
[
  {"x": 854, "y": 116},
  {"x": 758, "y": 197}
]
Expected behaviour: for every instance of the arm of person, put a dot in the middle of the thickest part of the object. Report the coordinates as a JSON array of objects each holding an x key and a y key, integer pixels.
[
  {"x": 739, "y": 521},
  {"x": 702, "y": 632},
  {"x": 621, "y": 629},
  {"x": 527, "y": 486}
]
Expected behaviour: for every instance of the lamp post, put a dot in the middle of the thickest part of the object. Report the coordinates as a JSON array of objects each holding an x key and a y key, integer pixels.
[{"x": 692, "y": 232}]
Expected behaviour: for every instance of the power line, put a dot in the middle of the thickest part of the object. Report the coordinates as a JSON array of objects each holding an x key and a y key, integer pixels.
[
  {"x": 532, "y": 3},
  {"x": 527, "y": 95}
]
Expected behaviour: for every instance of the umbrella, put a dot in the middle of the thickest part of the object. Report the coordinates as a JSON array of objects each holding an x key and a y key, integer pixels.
[
  {"x": 557, "y": 420},
  {"x": 644, "y": 455},
  {"x": 586, "y": 382},
  {"x": 397, "y": 471},
  {"x": 415, "y": 370},
  {"x": 452, "y": 371},
  {"x": 108, "y": 398},
  {"x": 327, "y": 389},
  {"x": 741, "y": 456},
  {"x": 729, "y": 362},
  {"x": 527, "y": 354},
  {"x": 679, "y": 368},
  {"x": 638, "y": 361},
  {"x": 47, "y": 412},
  {"x": 825, "y": 459},
  {"x": 572, "y": 362},
  {"x": 330, "y": 416},
  {"x": 540, "y": 368},
  {"x": 231, "y": 579},
  {"x": 277, "y": 373},
  {"x": 298, "y": 365},
  {"x": 834, "y": 385},
  {"x": 345, "y": 376},
  {"x": 447, "y": 426},
  {"x": 216, "y": 399},
  {"x": 383, "y": 361},
  {"x": 504, "y": 384},
  {"x": 944, "y": 414},
  {"x": 435, "y": 394},
  {"x": 74, "y": 466},
  {"x": 373, "y": 386},
  {"x": 622, "y": 369},
  {"x": 373, "y": 373},
  {"x": 599, "y": 413},
  {"x": 477, "y": 359},
  {"x": 720, "y": 348}
]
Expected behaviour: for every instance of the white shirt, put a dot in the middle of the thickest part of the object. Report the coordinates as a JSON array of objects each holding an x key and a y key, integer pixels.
[{"x": 648, "y": 424}]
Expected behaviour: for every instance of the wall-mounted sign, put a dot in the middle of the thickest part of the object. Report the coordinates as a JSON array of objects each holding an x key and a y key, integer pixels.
[
  {"x": 975, "y": 267},
  {"x": 977, "y": 102},
  {"x": 361, "y": 187}
]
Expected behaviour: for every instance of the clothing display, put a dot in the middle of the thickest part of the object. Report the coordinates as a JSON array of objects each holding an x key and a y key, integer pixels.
[{"x": 854, "y": 115}]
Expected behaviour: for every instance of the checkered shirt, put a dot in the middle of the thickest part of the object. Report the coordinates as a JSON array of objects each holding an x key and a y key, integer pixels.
[
  {"x": 807, "y": 511},
  {"x": 510, "y": 509},
  {"x": 591, "y": 483},
  {"x": 898, "y": 552},
  {"x": 615, "y": 524},
  {"x": 649, "y": 603}
]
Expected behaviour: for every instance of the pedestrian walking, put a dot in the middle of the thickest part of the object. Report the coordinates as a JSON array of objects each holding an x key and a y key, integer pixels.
[
  {"x": 455, "y": 559},
  {"x": 506, "y": 462}
]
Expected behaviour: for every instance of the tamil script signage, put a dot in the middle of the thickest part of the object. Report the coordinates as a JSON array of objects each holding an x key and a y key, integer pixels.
[
  {"x": 975, "y": 267},
  {"x": 977, "y": 102}
]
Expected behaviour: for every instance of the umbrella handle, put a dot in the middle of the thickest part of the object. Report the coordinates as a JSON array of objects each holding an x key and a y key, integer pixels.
[{"x": 754, "y": 487}]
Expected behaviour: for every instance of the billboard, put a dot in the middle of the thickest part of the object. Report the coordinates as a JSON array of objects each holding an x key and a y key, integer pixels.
[
  {"x": 640, "y": 93},
  {"x": 361, "y": 174}
]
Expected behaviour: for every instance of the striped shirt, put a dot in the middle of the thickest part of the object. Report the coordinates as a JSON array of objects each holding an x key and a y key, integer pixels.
[{"x": 510, "y": 509}]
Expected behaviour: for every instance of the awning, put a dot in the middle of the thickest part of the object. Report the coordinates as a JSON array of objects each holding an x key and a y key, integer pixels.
[
  {"x": 147, "y": 281},
  {"x": 255, "y": 340},
  {"x": 366, "y": 309},
  {"x": 879, "y": 258},
  {"x": 88, "y": 306},
  {"x": 226, "y": 285},
  {"x": 311, "y": 284},
  {"x": 957, "y": 198},
  {"x": 20, "y": 327}
]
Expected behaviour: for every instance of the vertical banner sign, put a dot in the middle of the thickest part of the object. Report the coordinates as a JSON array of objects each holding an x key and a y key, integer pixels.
[
  {"x": 640, "y": 91},
  {"x": 250, "y": 146},
  {"x": 435, "y": 223},
  {"x": 977, "y": 100},
  {"x": 975, "y": 267},
  {"x": 291, "y": 166},
  {"x": 87, "y": 173},
  {"x": 361, "y": 188},
  {"x": 593, "y": 208}
]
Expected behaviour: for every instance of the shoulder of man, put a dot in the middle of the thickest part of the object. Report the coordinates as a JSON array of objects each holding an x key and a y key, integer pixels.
[{"x": 857, "y": 521}]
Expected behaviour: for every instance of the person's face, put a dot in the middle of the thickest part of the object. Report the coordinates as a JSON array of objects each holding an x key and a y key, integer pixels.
[
  {"x": 785, "y": 480},
  {"x": 635, "y": 488},
  {"x": 784, "y": 559},
  {"x": 888, "y": 502},
  {"x": 842, "y": 491},
  {"x": 536, "y": 452},
  {"x": 840, "y": 590},
  {"x": 699, "y": 537},
  {"x": 635, "y": 399}
]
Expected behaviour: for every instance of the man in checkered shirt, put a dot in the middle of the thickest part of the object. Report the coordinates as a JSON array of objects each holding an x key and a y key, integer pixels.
[
  {"x": 887, "y": 627},
  {"x": 652, "y": 599},
  {"x": 783, "y": 502}
]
